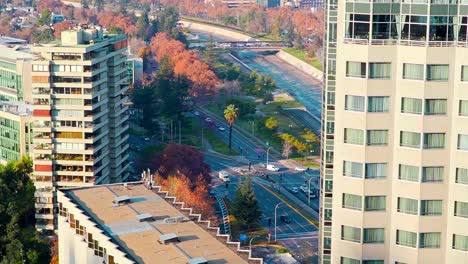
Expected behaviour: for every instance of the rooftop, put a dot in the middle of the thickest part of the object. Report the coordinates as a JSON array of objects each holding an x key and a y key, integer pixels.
[
  {"x": 11, "y": 41},
  {"x": 145, "y": 238},
  {"x": 14, "y": 53}
]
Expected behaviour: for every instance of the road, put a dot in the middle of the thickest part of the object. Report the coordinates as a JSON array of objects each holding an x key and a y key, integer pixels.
[{"x": 296, "y": 235}]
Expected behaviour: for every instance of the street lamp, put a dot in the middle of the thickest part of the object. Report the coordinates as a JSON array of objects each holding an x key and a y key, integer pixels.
[
  {"x": 268, "y": 152},
  {"x": 309, "y": 188},
  {"x": 250, "y": 246},
  {"x": 276, "y": 207}
]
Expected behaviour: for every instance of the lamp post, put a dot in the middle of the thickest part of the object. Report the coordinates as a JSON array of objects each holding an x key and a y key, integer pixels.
[
  {"x": 250, "y": 246},
  {"x": 309, "y": 188},
  {"x": 268, "y": 152},
  {"x": 276, "y": 207}
]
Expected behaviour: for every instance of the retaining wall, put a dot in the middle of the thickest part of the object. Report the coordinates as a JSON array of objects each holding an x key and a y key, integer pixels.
[
  {"x": 216, "y": 30},
  {"x": 300, "y": 65}
]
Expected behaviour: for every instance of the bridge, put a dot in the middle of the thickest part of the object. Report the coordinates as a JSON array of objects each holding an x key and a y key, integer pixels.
[{"x": 233, "y": 45}]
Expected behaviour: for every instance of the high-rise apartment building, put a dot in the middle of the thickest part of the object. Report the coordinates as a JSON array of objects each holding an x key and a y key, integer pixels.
[
  {"x": 394, "y": 172},
  {"x": 81, "y": 130}
]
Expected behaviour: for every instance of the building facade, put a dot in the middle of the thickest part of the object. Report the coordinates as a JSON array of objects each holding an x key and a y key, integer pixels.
[
  {"x": 394, "y": 173},
  {"x": 81, "y": 130},
  {"x": 15, "y": 74},
  {"x": 15, "y": 130}
]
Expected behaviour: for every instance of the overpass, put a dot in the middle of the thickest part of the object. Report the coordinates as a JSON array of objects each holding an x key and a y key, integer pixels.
[{"x": 233, "y": 45}]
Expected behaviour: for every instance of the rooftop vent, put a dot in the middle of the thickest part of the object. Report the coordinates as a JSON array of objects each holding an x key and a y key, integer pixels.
[
  {"x": 120, "y": 200},
  {"x": 198, "y": 260},
  {"x": 172, "y": 220},
  {"x": 168, "y": 238},
  {"x": 144, "y": 217}
]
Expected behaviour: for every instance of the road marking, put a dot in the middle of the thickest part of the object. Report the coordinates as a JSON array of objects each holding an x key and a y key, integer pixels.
[{"x": 288, "y": 204}]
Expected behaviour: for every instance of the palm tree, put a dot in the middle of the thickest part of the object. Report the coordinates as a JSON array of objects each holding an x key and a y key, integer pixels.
[{"x": 230, "y": 113}]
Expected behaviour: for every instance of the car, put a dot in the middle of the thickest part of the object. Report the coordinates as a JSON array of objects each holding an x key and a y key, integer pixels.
[
  {"x": 146, "y": 138},
  {"x": 285, "y": 219},
  {"x": 300, "y": 168},
  {"x": 208, "y": 119},
  {"x": 217, "y": 125},
  {"x": 272, "y": 167},
  {"x": 294, "y": 190},
  {"x": 221, "y": 128},
  {"x": 263, "y": 165},
  {"x": 196, "y": 113}
]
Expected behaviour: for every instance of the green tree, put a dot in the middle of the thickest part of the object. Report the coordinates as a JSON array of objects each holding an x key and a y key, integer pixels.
[
  {"x": 231, "y": 114},
  {"x": 99, "y": 5},
  {"x": 43, "y": 36},
  {"x": 271, "y": 123},
  {"x": 45, "y": 18},
  {"x": 245, "y": 207},
  {"x": 19, "y": 242},
  {"x": 143, "y": 26},
  {"x": 115, "y": 30}
]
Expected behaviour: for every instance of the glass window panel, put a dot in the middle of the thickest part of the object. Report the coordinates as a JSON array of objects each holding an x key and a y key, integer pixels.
[
  {"x": 376, "y": 170},
  {"x": 408, "y": 173},
  {"x": 437, "y": 72},
  {"x": 433, "y": 174},
  {"x": 355, "y": 103},
  {"x": 379, "y": 70},
  {"x": 352, "y": 169},
  {"x": 435, "y": 107},
  {"x": 407, "y": 206},
  {"x": 413, "y": 71},
  {"x": 462, "y": 176},
  {"x": 344, "y": 260},
  {"x": 464, "y": 73},
  {"x": 373, "y": 261},
  {"x": 431, "y": 207},
  {"x": 376, "y": 104},
  {"x": 352, "y": 201},
  {"x": 377, "y": 137},
  {"x": 405, "y": 238},
  {"x": 463, "y": 142},
  {"x": 463, "y": 108},
  {"x": 374, "y": 235},
  {"x": 410, "y": 139},
  {"x": 460, "y": 242},
  {"x": 354, "y": 136},
  {"x": 350, "y": 233},
  {"x": 434, "y": 140},
  {"x": 356, "y": 69},
  {"x": 374, "y": 203},
  {"x": 411, "y": 105},
  {"x": 461, "y": 209},
  {"x": 429, "y": 240}
]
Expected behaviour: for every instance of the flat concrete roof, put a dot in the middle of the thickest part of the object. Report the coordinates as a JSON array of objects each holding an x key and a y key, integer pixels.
[{"x": 140, "y": 240}]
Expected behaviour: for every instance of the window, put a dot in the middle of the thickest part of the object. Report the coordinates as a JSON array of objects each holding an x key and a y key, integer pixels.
[
  {"x": 414, "y": 28},
  {"x": 376, "y": 170},
  {"x": 435, "y": 107},
  {"x": 407, "y": 206},
  {"x": 437, "y": 72},
  {"x": 350, "y": 233},
  {"x": 344, "y": 260},
  {"x": 429, "y": 240},
  {"x": 374, "y": 235},
  {"x": 408, "y": 173},
  {"x": 405, "y": 238},
  {"x": 357, "y": 26},
  {"x": 356, "y": 69},
  {"x": 355, "y": 103},
  {"x": 352, "y": 201},
  {"x": 413, "y": 71},
  {"x": 354, "y": 136},
  {"x": 373, "y": 261},
  {"x": 461, "y": 209},
  {"x": 463, "y": 108},
  {"x": 433, "y": 174},
  {"x": 374, "y": 203},
  {"x": 378, "y": 104},
  {"x": 464, "y": 69},
  {"x": 384, "y": 27},
  {"x": 410, "y": 139},
  {"x": 431, "y": 207},
  {"x": 379, "y": 70},
  {"x": 40, "y": 68},
  {"x": 411, "y": 105},
  {"x": 460, "y": 242},
  {"x": 352, "y": 169},
  {"x": 462, "y": 176},
  {"x": 377, "y": 137},
  {"x": 434, "y": 140},
  {"x": 463, "y": 142}
]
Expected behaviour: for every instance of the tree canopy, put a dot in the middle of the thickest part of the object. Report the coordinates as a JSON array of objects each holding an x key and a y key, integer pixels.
[
  {"x": 19, "y": 242},
  {"x": 245, "y": 207}
]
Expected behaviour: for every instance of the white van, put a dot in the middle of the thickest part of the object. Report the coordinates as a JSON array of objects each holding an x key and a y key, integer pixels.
[{"x": 224, "y": 176}]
